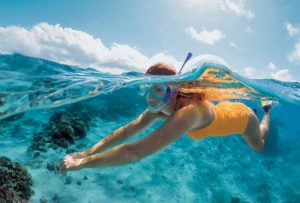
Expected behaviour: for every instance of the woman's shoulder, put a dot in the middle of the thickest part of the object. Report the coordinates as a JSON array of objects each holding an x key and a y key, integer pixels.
[
  {"x": 203, "y": 112},
  {"x": 204, "y": 104},
  {"x": 203, "y": 108}
]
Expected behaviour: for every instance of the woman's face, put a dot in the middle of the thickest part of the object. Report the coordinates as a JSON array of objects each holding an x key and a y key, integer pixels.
[
  {"x": 155, "y": 94},
  {"x": 158, "y": 96}
]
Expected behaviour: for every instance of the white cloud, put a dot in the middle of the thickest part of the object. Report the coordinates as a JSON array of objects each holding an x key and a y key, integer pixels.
[
  {"x": 238, "y": 7},
  {"x": 269, "y": 72},
  {"x": 199, "y": 59},
  {"x": 271, "y": 66},
  {"x": 293, "y": 31},
  {"x": 165, "y": 58},
  {"x": 204, "y": 36},
  {"x": 250, "y": 72},
  {"x": 233, "y": 45},
  {"x": 74, "y": 47},
  {"x": 282, "y": 75},
  {"x": 249, "y": 29},
  {"x": 69, "y": 46},
  {"x": 294, "y": 57}
]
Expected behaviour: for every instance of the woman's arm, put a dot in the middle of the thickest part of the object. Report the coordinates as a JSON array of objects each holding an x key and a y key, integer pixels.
[
  {"x": 179, "y": 123},
  {"x": 123, "y": 133}
]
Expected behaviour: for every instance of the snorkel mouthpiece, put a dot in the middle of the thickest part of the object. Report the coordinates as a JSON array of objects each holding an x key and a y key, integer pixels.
[{"x": 162, "y": 93}]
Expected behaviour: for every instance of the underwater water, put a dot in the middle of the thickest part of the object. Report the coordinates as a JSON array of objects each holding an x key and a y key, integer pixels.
[{"x": 41, "y": 100}]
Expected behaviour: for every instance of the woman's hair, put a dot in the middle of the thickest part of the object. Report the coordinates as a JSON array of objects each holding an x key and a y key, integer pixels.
[
  {"x": 161, "y": 69},
  {"x": 167, "y": 69}
]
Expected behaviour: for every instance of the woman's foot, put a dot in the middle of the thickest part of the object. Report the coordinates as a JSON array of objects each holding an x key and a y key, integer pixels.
[{"x": 266, "y": 105}]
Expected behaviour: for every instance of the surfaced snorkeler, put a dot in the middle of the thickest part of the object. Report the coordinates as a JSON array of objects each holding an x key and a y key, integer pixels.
[{"x": 183, "y": 113}]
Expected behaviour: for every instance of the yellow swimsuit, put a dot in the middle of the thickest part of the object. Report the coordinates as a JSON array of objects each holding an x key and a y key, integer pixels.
[{"x": 230, "y": 118}]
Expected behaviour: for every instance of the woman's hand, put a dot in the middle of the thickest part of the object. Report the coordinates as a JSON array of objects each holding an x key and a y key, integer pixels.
[
  {"x": 78, "y": 155},
  {"x": 72, "y": 162}
]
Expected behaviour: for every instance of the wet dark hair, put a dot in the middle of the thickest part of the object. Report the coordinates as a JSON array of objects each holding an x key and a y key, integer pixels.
[
  {"x": 161, "y": 69},
  {"x": 167, "y": 69}
]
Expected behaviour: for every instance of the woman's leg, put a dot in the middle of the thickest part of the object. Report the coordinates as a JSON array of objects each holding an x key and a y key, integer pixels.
[{"x": 256, "y": 133}]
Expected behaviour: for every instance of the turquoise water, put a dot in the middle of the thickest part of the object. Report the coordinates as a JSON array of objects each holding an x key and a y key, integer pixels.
[{"x": 215, "y": 169}]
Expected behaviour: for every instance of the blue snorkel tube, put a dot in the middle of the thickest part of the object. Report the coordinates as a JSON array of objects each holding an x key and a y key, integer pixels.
[
  {"x": 169, "y": 95},
  {"x": 188, "y": 57}
]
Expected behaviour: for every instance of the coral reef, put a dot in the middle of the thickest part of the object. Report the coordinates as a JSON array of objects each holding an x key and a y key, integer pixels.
[
  {"x": 65, "y": 128},
  {"x": 62, "y": 130},
  {"x": 10, "y": 196},
  {"x": 15, "y": 181}
]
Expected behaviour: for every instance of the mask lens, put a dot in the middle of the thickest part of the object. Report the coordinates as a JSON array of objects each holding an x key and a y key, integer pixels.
[
  {"x": 158, "y": 96},
  {"x": 156, "y": 92}
]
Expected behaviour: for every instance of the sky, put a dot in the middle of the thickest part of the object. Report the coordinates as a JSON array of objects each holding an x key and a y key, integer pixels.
[{"x": 258, "y": 39}]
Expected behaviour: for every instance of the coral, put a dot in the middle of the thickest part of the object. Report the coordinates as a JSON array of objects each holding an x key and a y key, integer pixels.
[
  {"x": 65, "y": 128},
  {"x": 15, "y": 181},
  {"x": 10, "y": 196},
  {"x": 38, "y": 142},
  {"x": 62, "y": 130}
]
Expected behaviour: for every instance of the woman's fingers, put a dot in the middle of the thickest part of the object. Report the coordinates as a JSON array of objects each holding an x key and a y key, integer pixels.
[
  {"x": 68, "y": 158},
  {"x": 66, "y": 164},
  {"x": 76, "y": 155},
  {"x": 71, "y": 162}
]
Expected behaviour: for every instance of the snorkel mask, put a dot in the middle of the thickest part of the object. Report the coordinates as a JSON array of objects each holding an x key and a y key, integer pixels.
[{"x": 159, "y": 95}]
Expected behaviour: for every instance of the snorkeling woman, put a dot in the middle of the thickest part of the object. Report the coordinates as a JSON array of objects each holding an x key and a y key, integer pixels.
[{"x": 183, "y": 113}]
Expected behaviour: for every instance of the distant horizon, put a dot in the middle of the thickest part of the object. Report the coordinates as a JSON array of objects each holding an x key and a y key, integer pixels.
[{"x": 257, "y": 39}]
